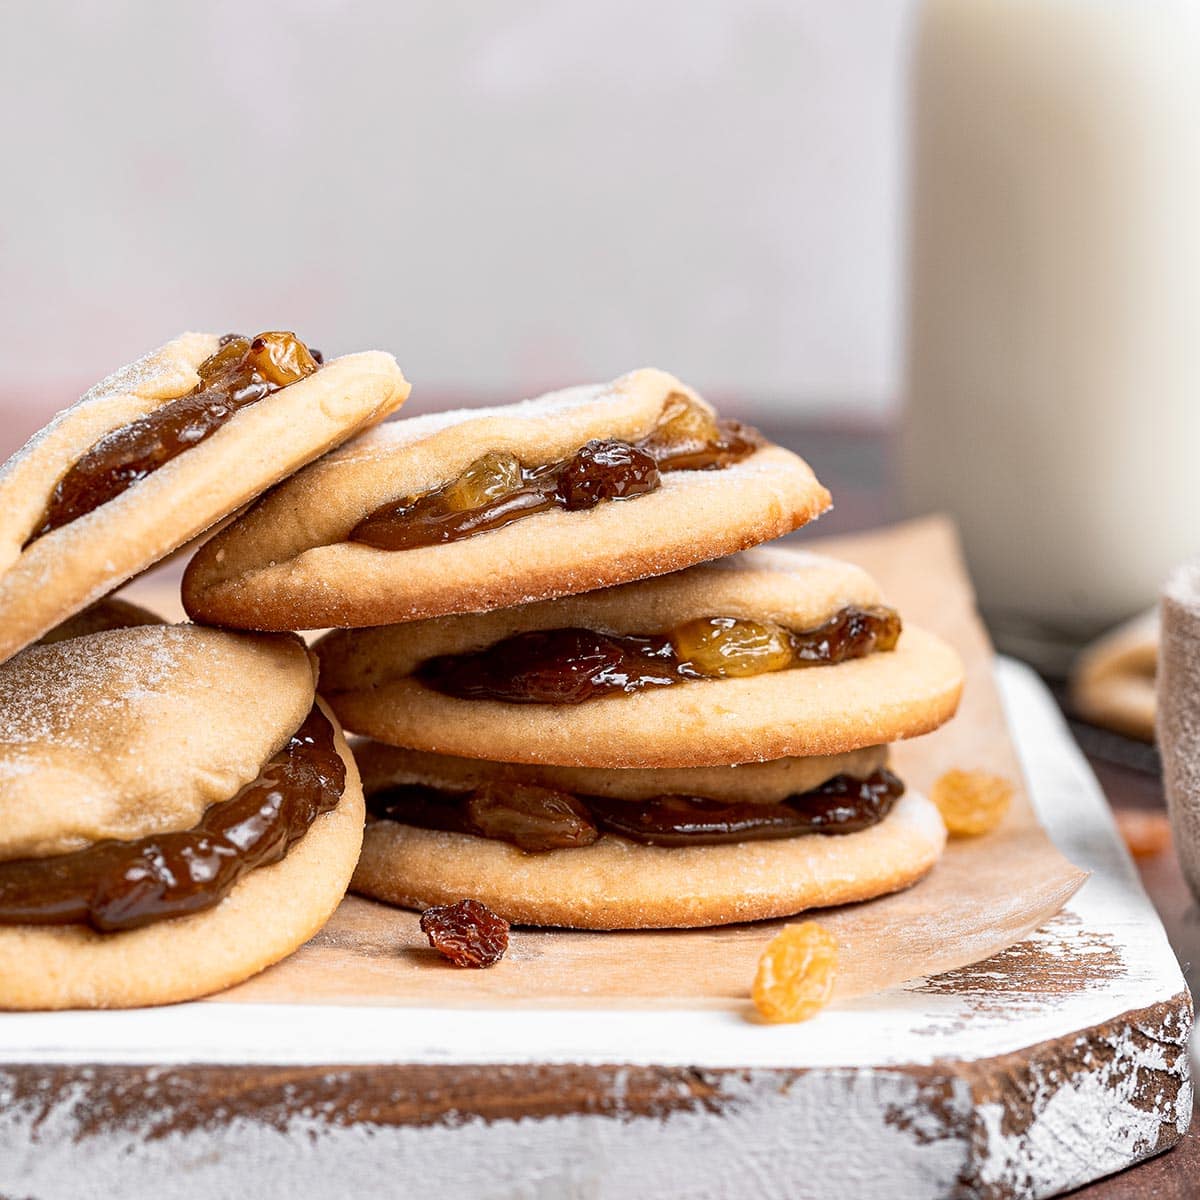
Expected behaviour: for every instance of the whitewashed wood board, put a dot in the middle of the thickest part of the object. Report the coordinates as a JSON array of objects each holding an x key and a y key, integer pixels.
[{"x": 1060, "y": 1061}]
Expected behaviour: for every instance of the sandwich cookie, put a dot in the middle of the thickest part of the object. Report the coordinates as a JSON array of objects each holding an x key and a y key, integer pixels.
[
  {"x": 634, "y": 849},
  {"x": 177, "y": 812},
  {"x": 770, "y": 654},
  {"x": 478, "y": 510},
  {"x": 161, "y": 451}
]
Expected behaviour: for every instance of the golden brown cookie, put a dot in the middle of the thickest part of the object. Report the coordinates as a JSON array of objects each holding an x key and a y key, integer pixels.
[
  {"x": 45, "y": 577},
  {"x": 291, "y": 563},
  {"x": 142, "y": 733},
  {"x": 367, "y": 676},
  {"x": 1113, "y": 684},
  {"x": 536, "y": 843},
  {"x": 620, "y": 884}
]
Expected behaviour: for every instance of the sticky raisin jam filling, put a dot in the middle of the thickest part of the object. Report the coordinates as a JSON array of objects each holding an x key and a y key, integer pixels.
[
  {"x": 241, "y": 372},
  {"x": 538, "y": 819},
  {"x": 497, "y": 488},
  {"x": 571, "y": 666},
  {"x": 114, "y": 885}
]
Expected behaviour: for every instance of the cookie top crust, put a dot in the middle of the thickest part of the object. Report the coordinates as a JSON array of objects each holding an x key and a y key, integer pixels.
[
  {"x": 387, "y": 766},
  {"x": 136, "y": 731},
  {"x": 45, "y": 580},
  {"x": 288, "y": 561},
  {"x": 130, "y": 392},
  {"x": 409, "y": 457}
]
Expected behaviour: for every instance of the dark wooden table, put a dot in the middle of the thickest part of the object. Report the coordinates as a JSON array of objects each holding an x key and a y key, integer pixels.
[{"x": 856, "y": 462}]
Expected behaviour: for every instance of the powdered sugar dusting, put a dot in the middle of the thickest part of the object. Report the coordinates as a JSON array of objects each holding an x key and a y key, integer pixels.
[
  {"x": 539, "y": 408},
  {"x": 136, "y": 378},
  {"x": 119, "y": 669},
  {"x": 14, "y": 766}
]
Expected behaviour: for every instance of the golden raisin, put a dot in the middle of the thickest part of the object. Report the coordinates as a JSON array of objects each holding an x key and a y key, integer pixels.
[
  {"x": 795, "y": 974},
  {"x": 232, "y": 350},
  {"x": 486, "y": 479},
  {"x": 724, "y": 647},
  {"x": 971, "y": 802},
  {"x": 1145, "y": 834},
  {"x": 682, "y": 420},
  {"x": 280, "y": 358}
]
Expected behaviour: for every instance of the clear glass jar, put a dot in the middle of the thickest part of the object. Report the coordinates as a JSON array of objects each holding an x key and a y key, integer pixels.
[{"x": 1053, "y": 386}]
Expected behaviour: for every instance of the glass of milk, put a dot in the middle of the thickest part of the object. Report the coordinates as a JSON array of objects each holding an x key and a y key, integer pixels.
[{"x": 1053, "y": 386}]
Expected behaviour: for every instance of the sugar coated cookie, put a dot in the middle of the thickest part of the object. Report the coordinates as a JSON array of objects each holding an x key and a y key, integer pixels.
[
  {"x": 161, "y": 451},
  {"x": 768, "y": 655},
  {"x": 482, "y": 509},
  {"x": 177, "y": 812}
]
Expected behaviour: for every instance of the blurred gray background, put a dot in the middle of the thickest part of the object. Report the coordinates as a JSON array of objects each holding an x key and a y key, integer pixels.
[{"x": 508, "y": 196}]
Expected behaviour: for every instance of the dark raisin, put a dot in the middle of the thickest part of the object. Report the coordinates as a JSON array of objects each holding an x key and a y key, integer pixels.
[
  {"x": 534, "y": 819},
  {"x": 468, "y": 933},
  {"x": 606, "y": 469},
  {"x": 687, "y": 438},
  {"x": 557, "y": 666}
]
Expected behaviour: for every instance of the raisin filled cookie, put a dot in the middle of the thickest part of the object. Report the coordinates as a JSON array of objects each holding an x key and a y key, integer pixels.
[
  {"x": 161, "y": 451},
  {"x": 477, "y": 510},
  {"x": 589, "y": 848},
  {"x": 177, "y": 811},
  {"x": 770, "y": 654}
]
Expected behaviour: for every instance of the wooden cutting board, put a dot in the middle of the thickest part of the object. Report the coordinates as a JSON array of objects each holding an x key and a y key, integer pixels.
[{"x": 619, "y": 1065}]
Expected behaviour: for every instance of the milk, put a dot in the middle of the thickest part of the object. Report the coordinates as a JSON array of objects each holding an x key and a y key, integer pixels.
[{"x": 1053, "y": 384}]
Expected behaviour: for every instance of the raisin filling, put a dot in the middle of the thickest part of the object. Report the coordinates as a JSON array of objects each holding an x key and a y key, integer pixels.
[
  {"x": 571, "y": 666},
  {"x": 538, "y": 819},
  {"x": 114, "y": 885},
  {"x": 497, "y": 489},
  {"x": 241, "y": 372}
]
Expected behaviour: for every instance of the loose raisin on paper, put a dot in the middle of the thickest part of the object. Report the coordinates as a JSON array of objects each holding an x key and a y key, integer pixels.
[
  {"x": 468, "y": 933},
  {"x": 795, "y": 973},
  {"x": 971, "y": 802}
]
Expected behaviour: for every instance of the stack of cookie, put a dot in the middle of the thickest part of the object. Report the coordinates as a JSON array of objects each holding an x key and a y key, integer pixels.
[
  {"x": 574, "y": 714},
  {"x": 583, "y": 699},
  {"x": 178, "y": 809}
]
